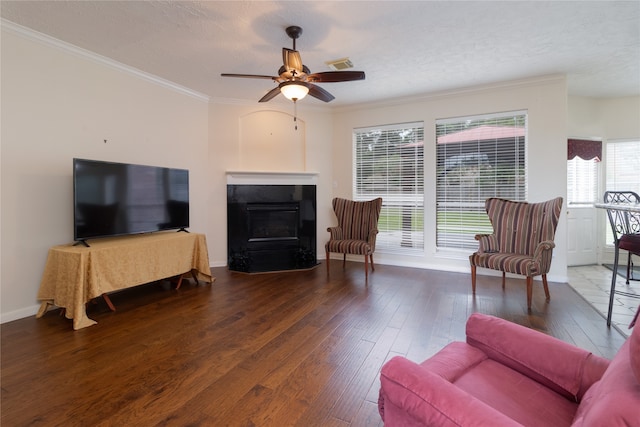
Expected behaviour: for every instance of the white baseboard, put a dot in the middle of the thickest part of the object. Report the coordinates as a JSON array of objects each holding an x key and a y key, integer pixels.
[{"x": 19, "y": 314}]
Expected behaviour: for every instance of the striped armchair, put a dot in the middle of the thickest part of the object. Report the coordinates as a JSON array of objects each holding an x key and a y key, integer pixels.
[
  {"x": 356, "y": 231},
  {"x": 521, "y": 243}
]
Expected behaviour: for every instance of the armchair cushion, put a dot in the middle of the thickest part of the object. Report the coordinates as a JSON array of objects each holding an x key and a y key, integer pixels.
[{"x": 355, "y": 247}]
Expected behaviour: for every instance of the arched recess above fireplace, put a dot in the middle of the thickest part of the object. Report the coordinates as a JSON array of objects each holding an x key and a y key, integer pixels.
[{"x": 269, "y": 141}]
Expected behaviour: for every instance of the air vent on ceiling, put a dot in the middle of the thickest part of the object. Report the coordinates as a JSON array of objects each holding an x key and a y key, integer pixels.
[{"x": 340, "y": 64}]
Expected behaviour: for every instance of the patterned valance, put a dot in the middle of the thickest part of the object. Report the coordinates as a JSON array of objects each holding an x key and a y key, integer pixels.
[{"x": 586, "y": 149}]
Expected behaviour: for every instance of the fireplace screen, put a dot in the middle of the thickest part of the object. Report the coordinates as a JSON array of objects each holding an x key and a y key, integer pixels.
[
  {"x": 271, "y": 227},
  {"x": 273, "y": 221}
]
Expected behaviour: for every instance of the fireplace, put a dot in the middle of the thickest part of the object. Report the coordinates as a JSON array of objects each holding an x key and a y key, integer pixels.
[{"x": 270, "y": 227}]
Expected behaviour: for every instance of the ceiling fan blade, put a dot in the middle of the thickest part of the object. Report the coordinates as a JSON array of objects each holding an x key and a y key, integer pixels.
[
  {"x": 249, "y": 76},
  {"x": 271, "y": 94},
  {"x": 321, "y": 94},
  {"x": 336, "y": 76},
  {"x": 292, "y": 60}
]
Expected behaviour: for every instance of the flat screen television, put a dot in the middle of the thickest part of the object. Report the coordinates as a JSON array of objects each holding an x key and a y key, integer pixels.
[{"x": 115, "y": 199}]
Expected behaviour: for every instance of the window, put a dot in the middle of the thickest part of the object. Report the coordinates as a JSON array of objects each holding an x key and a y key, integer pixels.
[
  {"x": 476, "y": 158},
  {"x": 388, "y": 163},
  {"x": 582, "y": 182},
  {"x": 623, "y": 164},
  {"x": 583, "y": 171}
]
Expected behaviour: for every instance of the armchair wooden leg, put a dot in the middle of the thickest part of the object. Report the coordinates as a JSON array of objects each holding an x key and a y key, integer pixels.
[
  {"x": 546, "y": 286},
  {"x": 327, "y": 262},
  {"x": 473, "y": 279},
  {"x": 529, "y": 291},
  {"x": 373, "y": 268},
  {"x": 504, "y": 275},
  {"x": 344, "y": 260},
  {"x": 366, "y": 268}
]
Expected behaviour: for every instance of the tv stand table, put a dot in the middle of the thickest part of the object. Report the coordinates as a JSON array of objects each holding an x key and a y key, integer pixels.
[{"x": 74, "y": 275}]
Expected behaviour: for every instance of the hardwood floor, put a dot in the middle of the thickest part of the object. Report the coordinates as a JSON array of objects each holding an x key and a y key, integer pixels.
[{"x": 260, "y": 350}]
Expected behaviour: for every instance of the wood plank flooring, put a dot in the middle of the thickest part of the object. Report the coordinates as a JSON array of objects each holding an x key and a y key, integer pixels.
[{"x": 275, "y": 349}]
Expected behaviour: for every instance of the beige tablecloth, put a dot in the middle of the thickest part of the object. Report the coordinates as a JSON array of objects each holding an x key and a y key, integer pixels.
[{"x": 74, "y": 275}]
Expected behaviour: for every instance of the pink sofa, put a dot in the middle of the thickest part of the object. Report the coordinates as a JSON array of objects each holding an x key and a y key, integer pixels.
[{"x": 509, "y": 375}]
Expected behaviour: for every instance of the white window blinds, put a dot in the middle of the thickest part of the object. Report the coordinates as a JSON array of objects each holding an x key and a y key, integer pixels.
[
  {"x": 623, "y": 166},
  {"x": 477, "y": 157},
  {"x": 389, "y": 163},
  {"x": 582, "y": 182}
]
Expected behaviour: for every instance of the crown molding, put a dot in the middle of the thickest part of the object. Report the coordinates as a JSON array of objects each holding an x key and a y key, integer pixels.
[
  {"x": 29, "y": 34},
  {"x": 532, "y": 81}
]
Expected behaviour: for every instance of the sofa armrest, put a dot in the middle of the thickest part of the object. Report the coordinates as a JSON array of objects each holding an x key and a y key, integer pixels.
[
  {"x": 565, "y": 368},
  {"x": 429, "y": 399},
  {"x": 335, "y": 233}
]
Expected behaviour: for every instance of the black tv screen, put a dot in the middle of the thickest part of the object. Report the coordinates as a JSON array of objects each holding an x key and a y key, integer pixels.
[{"x": 114, "y": 199}]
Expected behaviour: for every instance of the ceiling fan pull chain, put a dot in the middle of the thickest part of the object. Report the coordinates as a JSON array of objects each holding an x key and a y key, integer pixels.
[{"x": 295, "y": 113}]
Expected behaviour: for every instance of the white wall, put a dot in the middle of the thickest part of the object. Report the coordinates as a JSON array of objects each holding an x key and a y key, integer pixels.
[
  {"x": 544, "y": 98},
  {"x": 620, "y": 117},
  {"x": 58, "y": 104},
  {"x": 609, "y": 118}
]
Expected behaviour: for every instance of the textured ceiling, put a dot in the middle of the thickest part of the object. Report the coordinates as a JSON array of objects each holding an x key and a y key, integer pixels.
[{"x": 405, "y": 48}]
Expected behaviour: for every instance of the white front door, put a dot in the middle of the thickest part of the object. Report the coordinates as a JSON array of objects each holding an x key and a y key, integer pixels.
[
  {"x": 582, "y": 193},
  {"x": 582, "y": 232}
]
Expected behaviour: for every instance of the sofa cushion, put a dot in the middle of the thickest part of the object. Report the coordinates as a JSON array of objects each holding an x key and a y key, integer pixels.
[
  {"x": 515, "y": 395},
  {"x": 412, "y": 395},
  {"x": 453, "y": 360},
  {"x": 548, "y": 360},
  {"x": 507, "y": 391}
]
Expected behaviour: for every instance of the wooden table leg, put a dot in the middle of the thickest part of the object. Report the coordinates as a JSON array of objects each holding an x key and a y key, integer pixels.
[
  {"x": 108, "y": 301},
  {"x": 179, "y": 282}
]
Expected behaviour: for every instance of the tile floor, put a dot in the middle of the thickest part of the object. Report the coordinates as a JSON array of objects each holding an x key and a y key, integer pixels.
[{"x": 593, "y": 282}]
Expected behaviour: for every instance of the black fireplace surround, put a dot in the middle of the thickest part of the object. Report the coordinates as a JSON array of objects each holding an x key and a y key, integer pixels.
[{"x": 271, "y": 227}]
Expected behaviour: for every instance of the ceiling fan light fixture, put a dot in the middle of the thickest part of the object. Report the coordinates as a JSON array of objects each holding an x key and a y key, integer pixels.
[{"x": 294, "y": 90}]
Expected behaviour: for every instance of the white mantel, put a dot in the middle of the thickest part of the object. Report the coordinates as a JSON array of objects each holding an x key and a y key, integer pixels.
[{"x": 271, "y": 178}]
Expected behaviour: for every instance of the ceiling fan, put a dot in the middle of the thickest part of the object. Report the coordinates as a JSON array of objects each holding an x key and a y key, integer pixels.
[{"x": 295, "y": 80}]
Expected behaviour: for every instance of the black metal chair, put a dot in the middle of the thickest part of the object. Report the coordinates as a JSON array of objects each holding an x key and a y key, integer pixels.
[{"x": 625, "y": 226}]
